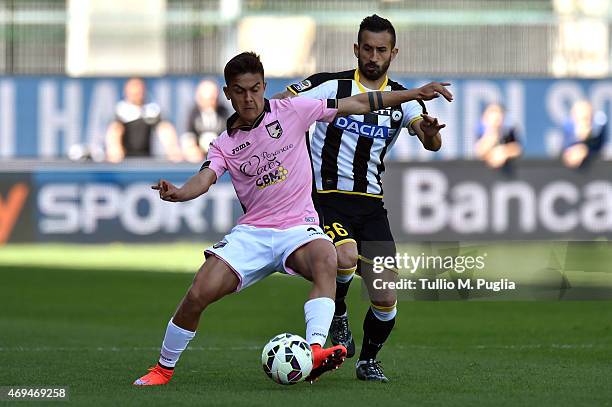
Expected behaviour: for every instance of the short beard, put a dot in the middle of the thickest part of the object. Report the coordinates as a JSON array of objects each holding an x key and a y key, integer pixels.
[{"x": 377, "y": 75}]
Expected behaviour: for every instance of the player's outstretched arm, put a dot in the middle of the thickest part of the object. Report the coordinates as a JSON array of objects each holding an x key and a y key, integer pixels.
[
  {"x": 193, "y": 188},
  {"x": 370, "y": 101},
  {"x": 283, "y": 95}
]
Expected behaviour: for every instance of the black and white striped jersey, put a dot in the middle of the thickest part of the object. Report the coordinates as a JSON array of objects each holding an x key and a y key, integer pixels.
[{"x": 348, "y": 154}]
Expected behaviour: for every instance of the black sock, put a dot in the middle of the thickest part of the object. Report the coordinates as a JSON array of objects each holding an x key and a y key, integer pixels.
[
  {"x": 375, "y": 333},
  {"x": 341, "y": 291},
  {"x": 165, "y": 367}
]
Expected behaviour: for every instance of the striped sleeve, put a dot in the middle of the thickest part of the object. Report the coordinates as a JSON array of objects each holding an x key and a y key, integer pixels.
[
  {"x": 321, "y": 85},
  {"x": 311, "y": 84},
  {"x": 412, "y": 113}
]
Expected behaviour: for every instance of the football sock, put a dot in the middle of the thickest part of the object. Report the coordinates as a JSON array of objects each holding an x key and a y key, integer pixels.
[
  {"x": 343, "y": 282},
  {"x": 377, "y": 326},
  {"x": 175, "y": 342},
  {"x": 318, "y": 313}
]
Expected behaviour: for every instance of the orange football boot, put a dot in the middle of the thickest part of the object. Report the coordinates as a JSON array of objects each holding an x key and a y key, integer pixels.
[
  {"x": 325, "y": 359},
  {"x": 157, "y": 376}
]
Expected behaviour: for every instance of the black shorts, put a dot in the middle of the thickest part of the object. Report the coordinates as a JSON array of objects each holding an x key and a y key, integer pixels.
[{"x": 357, "y": 218}]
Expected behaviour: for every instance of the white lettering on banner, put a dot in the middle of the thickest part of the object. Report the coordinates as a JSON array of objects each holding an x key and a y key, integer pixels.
[
  {"x": 424, "y": 204},
  {"x": 98, "y": 201},
  {"x": 503, "y": 193},
  {"x": 596, "y": 214},
  {"x": 7, "y": 119},
  {"x": 141, "y": 223},
  {"x": 101, "y": 111},
  {"x": 53, "y": 120},
  {"x": 67, "y": 208},
  {"x": 430, "y": 204},
  {"x": 469, "y": 215},
  {"x": 189, "y": 212},
  {"x": 56, "y": 205},
  {"x": 551, "y": 219}
]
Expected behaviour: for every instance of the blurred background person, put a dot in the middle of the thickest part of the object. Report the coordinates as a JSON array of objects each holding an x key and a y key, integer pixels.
[
  {"x": 131, "y": 133},
  {"x": 205, "y": 122},
  {"x": 584, "y": 134},
  {"x": 497, "y": 140}
]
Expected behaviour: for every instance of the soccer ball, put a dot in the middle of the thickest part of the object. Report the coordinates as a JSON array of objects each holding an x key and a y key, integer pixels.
[{"x": 287, "y": 359}]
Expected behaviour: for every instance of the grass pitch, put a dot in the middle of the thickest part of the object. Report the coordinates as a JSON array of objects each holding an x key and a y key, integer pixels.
[{"x": 97, "y": 325}]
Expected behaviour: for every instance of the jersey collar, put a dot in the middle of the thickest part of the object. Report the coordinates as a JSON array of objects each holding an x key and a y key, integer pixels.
[
  {"x": 230, "y": 122},
  {"x": 362, "y": 88}
]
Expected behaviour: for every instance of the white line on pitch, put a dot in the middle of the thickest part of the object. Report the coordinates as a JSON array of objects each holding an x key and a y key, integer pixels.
[{"x": 254, "y": 347}]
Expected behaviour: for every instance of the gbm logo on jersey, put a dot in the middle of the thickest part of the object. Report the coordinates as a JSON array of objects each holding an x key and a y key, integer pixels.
[
  {"x": 362, "y": 129},
  {"x": 274, "y": 129}
]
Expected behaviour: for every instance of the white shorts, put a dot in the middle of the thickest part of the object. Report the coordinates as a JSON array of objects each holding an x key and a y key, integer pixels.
[{"x": 254, "y": 253}]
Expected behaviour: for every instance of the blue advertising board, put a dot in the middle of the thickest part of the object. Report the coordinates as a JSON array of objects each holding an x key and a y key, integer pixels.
[{"x": 44, "y": 116}]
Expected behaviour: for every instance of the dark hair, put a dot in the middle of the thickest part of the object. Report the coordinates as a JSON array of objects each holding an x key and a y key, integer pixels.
[
  {"x": 376, "y": 24},
  {"x": 247, "y": 62}
]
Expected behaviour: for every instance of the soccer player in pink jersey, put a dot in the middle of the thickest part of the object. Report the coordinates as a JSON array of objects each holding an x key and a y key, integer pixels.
[{"x": 264, "y": 150}]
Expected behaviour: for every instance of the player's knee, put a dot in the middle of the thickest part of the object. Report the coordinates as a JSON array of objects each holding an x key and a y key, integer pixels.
[
  {"x": 324, "y": 266},
  {"x": 384, "y": 310},
  {"x": 383, "y": 299},
  {"x": 384, "y": 302},
  {"x": 193, "y": 301},
  {"x": 347, "y": 256},
  {"x": 198, "y": 298},
  {"x": 347, "y": 262}
]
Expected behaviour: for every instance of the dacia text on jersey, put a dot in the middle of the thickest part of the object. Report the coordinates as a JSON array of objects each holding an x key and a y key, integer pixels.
[{"x": 362, "y": 129}]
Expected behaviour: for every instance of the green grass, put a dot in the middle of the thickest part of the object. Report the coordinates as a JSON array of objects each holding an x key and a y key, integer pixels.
[
  {"x": 175, "y": 257},
  {"x": 98, "y": 327}
]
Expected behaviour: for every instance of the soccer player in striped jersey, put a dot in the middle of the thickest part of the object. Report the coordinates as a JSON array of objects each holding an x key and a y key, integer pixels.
[{"x": 348, "y": 162}]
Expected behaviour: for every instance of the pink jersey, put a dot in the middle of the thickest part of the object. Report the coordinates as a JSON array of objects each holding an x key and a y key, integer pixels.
[{"x": 269, "y": 162}]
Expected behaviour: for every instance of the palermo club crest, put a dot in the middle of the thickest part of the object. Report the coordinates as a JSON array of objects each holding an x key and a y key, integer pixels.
[{"x": 274, "y": 129}]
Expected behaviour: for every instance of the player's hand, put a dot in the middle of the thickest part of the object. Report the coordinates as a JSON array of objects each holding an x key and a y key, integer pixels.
[
  {"x": 115, "y": 155},
  {"x": 430, "y": 125},
  {"x": 575, "y": 155},
  {"x": 167, "y": 191},
  {"x": 433, "y": 90},
  {"x": 497, "y": 157}
]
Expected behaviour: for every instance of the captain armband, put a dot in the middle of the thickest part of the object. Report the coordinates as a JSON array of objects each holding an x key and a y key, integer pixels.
[
  {"x": 332, "y": 103},
  {"x": 376, "y": 100}
]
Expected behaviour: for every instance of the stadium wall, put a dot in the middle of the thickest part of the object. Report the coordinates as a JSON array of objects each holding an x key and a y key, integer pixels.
[
  {"x": 43, "y": 116},
  {"x": 435, "y": 201}
]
